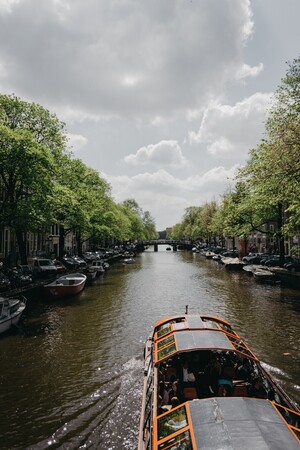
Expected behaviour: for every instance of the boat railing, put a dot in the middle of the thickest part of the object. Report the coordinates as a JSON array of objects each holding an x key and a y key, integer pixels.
[
  {"x": 148, "y": 405},
  {"x": 291, "y": 417}
]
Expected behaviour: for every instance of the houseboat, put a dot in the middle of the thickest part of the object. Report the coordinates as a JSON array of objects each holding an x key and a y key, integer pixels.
[{"x": 205, "y": 389}]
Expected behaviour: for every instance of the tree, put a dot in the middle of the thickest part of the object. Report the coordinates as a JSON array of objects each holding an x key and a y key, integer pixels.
[
  {"x": 134, "y": 214},
  {"x": 25, "y": 178},
  {"x": 273, "y": 171},
  {"x": 80, "y": 202},
  {"x": 149, "y": 226},
  {"x": 31, "y": 141}
]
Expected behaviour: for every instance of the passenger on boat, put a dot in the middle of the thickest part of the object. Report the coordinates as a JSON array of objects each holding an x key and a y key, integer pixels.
[
  {"x": 225, "y": 387},
  {"x": 257, "y": 389},
  {"x": 212, "y": 373},
  {"x": 163, "y": 392},
  {"x": 185, "y": 373},
  {"x": 175, "y": 402},
  {"x": 175, "y": 391},
  {"x": 244, "y": 371}
]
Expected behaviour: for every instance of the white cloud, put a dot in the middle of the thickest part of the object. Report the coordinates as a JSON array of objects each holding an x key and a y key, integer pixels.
[
  {"x": 229, "y": 132},
  {"x": 166, "y": 196},
  {"x": 188, "y": 77},
  {"x": 6, "y": 6},
  {"x": 162, "y": 154},
  {"x": 248, "y": 71},
  {"x": 76, "y": 142},
  {"x": 129, "y": 59}
]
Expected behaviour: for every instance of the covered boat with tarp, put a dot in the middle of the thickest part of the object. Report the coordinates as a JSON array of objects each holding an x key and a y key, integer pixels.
[{"x": 205, "y": 389}]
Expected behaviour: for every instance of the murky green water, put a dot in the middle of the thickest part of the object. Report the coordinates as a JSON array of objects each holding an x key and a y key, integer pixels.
[{"x": 71, "y": 378}]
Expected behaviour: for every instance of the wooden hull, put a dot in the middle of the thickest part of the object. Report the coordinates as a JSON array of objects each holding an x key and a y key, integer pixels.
[{"x": 66, "y": 286}]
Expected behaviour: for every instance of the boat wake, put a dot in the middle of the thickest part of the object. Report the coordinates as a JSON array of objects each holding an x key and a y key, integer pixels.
[{"x": 107, "y": 418}]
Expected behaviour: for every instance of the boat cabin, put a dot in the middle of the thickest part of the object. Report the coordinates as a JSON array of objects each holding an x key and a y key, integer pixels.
[{"x": 224, "y": 423}]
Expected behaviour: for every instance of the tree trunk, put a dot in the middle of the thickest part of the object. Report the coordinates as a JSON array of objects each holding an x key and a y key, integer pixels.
[
  {"x": 281, "y": 237},
  {"x": 21, "y": 245},
  {"x": 79, "y": 244},
  {"x": 61, "y": 245}
]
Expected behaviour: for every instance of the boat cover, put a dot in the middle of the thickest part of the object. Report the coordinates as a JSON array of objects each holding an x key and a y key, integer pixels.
[
  {"x": 239, "y": 423},
  {"x": 202, "y": 339}
]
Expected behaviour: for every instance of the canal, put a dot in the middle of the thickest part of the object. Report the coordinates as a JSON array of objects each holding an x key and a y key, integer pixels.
[{"x": 71, "y": 377}]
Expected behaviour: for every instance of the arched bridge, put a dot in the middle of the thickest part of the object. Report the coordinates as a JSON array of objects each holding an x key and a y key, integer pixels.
[{"x": 174, "y": 243}]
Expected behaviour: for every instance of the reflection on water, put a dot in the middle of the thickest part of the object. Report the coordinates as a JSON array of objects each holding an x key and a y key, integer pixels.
[{"x": 72, "y": 377}]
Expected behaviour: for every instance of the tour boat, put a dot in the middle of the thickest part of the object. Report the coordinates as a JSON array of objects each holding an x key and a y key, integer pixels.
[
  {"x": 222, "y": 397},
  {"x": 66, "y": 286},
  {"x": 11, "y": 310}
]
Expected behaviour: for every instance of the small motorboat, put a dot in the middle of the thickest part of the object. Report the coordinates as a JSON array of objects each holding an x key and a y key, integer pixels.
[
  {"x": 232, "y": 263},
  {"x": 11, "y": 310},
  {"x": 97, "y": 264},
  {"x": 91, "y": 274},
  {"x": 265, "y": 276},
  {"x": 128, "y": 260},
  {"x": 66, "y": 286}
]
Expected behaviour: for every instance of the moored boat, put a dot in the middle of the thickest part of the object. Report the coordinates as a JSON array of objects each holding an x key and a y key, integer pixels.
[
  {"x": 251, "y": 268},
  {"x": 91, "y": 274},
  {"x": 11, "y": 310},
  {"x": 128, "y": 260},
  {"x": 97, "y": 265},
  {"x": 222, "y": 397},
  {"x": 232, "y": 263},
  {"x": 66, "y": 286},
  {"x": 264, "y": 275}
]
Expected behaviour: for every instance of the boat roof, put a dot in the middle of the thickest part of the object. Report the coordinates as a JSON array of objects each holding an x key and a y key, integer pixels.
[
  {"x": 186, "y": 333},
  {"x": 225, "y": 423}
]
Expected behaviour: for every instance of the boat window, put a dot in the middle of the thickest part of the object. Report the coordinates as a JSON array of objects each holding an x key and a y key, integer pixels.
[
  {"x": 163, "y": 331},
  {"x": 170, "y": 423},
  {"x": 166, "y": 341},
  {"x": 240, "y": 346},
  {"x": 211, "y": 323},
  {"x": 166, "y": 351},
  {"x": 179, "y": 325},
  {"x": 1, "y": 308},
  {"x": 181, "y": 441}
]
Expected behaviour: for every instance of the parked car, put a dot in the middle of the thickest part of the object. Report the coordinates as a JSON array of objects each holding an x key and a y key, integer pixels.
[
  {"x": 43, "y": 268},
  {"x": 60, "y": 267},
  {"x": 275, "y": 261},
  {"x": 82, "y": 263},
  {"x": 70, "y": 263},
  {"x": 5, "y": 283},
  {"x": 254, "y": 258},
  {"x": 231, "y": 253}
]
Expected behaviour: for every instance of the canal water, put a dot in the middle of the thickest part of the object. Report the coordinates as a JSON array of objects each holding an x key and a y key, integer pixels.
[{"x": 71, "y": 376}]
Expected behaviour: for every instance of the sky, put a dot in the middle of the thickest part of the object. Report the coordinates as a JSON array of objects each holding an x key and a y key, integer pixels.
[{"x": 164, "y": 98}]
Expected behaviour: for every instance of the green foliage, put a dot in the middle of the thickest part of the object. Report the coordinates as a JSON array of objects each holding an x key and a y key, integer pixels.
[
  {"x": 25, "y": 177},
  {"x": 149, "y": 226},
  {"x": 42, "y": 184},
  {"x": 270, "y": 179}
]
